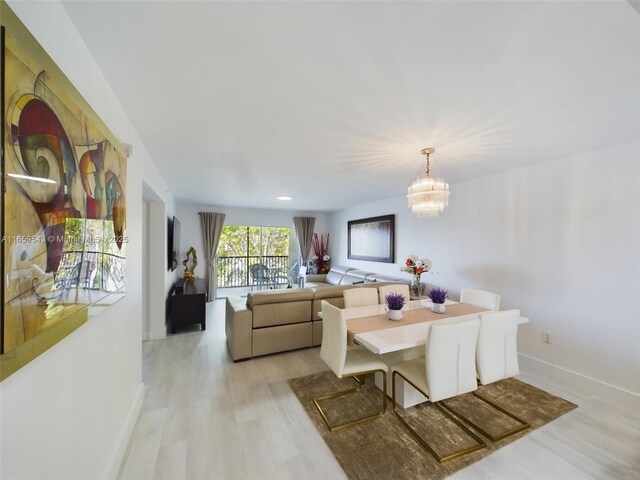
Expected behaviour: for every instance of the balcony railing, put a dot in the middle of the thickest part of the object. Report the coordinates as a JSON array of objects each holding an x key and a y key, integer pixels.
[
  {"x": 89, "y": 270},
  {"x": 234, "y": 271}
]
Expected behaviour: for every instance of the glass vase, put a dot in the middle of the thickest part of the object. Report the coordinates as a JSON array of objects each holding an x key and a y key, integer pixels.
[{"x": 416, "y": 286}]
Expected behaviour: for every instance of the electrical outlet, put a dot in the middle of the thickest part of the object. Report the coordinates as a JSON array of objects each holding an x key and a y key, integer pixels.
[{"x": 546, "y": 337}]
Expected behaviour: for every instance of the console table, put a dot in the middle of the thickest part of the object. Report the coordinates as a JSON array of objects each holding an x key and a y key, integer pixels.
[{"x": 188, "y": 303}]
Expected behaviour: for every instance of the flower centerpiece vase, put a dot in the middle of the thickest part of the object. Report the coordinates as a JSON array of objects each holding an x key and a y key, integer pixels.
[
  {"x": 438, "y": 308},
  {"x": 416, "y": 286}
]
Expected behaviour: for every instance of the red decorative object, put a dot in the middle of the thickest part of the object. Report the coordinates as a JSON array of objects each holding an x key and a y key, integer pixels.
[{"x": 320, "y": 245}]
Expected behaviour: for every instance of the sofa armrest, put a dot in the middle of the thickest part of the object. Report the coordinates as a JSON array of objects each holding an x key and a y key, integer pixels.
[
  {"x": 238, "y": 327},
  {"x": 316, "y": 278}
]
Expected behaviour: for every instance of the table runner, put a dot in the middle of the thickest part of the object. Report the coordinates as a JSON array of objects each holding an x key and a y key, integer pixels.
[{"x": 415, "y": 315}]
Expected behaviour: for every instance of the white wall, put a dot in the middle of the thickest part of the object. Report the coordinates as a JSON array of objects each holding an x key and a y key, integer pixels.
[
  {"x": 191, "y": 234},
  {"x": 160, "y": 279},
  {"x": 560, "y": 240},
  {"x": 144, "y": 314},
  {"x": 69, "y": 413}
]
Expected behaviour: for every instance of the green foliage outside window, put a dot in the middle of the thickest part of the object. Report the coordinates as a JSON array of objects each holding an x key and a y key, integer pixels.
[
  {"x": 266, "y": 245},
  {"x": 90, "y": 258}
]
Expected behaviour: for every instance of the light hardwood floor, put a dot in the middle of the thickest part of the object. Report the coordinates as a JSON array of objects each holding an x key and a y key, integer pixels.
[{"x": 205, "y": 417}]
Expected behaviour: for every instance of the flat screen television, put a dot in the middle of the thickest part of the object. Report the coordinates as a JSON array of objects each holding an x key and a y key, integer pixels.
[{"x": 174, "y": 243}]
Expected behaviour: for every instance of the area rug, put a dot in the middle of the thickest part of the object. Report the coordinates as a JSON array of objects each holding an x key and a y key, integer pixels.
[{"x": 384, "y": 449}]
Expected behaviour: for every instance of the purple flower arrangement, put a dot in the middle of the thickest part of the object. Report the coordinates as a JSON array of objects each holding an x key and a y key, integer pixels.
[
  {"x": 437, "y": 295},
  {"x": 395, "y": 301}
]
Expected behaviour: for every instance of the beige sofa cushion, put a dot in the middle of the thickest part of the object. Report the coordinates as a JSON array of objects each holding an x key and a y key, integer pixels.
[
  {"x": 355, "y": 277},
  {"x": 317, "y": 334},
  {"x": 317, "y": 306},
  {"x": 359, "y": 274},
  {"x": 314, "y": 285},
  {"x": 280, "y": 307},
  {"x": 271, "y": 314},
  {"x": 341, "y": 269},
  {"x": 332, "y": 295},
  {"x": 333, "y": 278},
  {"x": 280, "y": 339},
  {"x": 279, "y": 296},
  {"x": 385, "y": 278},
  {"x": 321, "y": 293},
  {"x": 315, "y": 278},
  {"x": 336, "y": 274}
]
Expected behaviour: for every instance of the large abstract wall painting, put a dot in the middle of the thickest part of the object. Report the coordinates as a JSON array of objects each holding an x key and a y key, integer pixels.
[
  {"x": 64, "y": 211},
  {"x": 371, "y": 239}
]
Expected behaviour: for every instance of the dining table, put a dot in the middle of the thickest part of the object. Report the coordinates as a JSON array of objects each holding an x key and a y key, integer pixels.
[{"x": 395, "y": 341}]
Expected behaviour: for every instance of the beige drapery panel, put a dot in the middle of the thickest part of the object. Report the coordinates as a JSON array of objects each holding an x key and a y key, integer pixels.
[
  {"x": 211, "y": 224},
  {"x": 304, "y": 233}
]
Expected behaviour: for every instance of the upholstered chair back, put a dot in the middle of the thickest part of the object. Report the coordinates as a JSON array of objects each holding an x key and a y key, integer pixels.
[
  {"x": 333, "y": 351},
  {"x": 360, "y": 297},
  {"x": 385, "y": 290},
  {"x": 497, "y": 349},
  {"x": 450, "y": 358},
  {"x": 480, "y": 298}
]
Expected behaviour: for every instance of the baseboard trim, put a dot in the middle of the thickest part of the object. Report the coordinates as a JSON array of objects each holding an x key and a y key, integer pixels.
[
  {"x": 577, "y": 383},
  {"x": 125, "y": 436},
  {"x": 157, "y": 334}
]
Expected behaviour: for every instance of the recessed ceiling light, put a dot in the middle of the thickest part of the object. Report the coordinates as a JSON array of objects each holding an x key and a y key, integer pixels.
[{"x": 285, "y": 197}]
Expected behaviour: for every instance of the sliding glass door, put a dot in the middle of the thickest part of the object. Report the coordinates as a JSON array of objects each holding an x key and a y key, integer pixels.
[{"x": 243, "y": 246}]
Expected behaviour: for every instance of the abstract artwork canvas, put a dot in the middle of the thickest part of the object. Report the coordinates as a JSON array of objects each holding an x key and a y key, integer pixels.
[
  {"x": 63, "y": 210},
  {"x": 371, "y": 239}
]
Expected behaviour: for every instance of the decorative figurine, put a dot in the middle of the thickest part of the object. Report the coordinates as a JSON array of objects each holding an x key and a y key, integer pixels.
[{"x": 188, "y": 271}]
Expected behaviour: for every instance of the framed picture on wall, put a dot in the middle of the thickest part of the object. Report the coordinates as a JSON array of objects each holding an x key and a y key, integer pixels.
[
  {"x": 371, "y": 239},
  {"x": 63, "y": 204}
]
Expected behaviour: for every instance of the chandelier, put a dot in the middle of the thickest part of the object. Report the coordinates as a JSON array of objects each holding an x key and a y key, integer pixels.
[{"x": 427, "y": 196}]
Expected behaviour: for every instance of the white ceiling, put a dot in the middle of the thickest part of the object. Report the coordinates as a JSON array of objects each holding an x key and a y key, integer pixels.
[{"x": 331, "y": 102}]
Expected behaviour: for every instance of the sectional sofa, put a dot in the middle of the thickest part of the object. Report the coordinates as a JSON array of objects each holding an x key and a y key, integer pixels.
[{"x": 280, "y": 320}]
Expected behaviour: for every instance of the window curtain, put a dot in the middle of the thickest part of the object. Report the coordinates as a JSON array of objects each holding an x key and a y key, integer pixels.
[
  {"x": 211, "y": 224},
  {"x": 304, "y": 233}
]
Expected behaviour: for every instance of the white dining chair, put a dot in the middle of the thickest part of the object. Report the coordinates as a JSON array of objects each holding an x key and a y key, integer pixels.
[
  {"x": 385, "y": 290},
  {"x": 497, "y": 349},
  {"x": 448, "y": 369},
  {"x": 480, "y": 298},
  {"x": 360, "y": 297},
  {"x": 497, "y": 359},
  {"x": 346, "y": 361}
]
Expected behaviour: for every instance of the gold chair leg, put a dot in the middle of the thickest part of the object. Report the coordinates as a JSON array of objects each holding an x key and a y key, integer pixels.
[
  {"x": 353, "y": 423},
  {"x": 494, "y": 438},
  {"x": 441, "y": 458}
]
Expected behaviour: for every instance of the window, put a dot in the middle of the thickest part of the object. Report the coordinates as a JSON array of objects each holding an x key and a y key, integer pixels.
[
  {"x": 243, "y": 246},
  {"x": 90, "y": 260}
]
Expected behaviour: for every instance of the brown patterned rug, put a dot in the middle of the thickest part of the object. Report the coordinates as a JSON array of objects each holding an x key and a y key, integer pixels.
[{"x": 384, "y": 449}]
